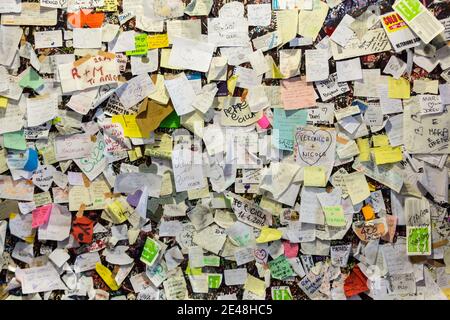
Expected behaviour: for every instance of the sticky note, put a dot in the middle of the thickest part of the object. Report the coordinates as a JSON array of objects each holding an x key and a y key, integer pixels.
[
  {"x": 214, "y": 281},
  {"x": 109, "y": 6},
  {"x": 275, "y": 71},
  {"x": 364, "y": 149},
  {"x": 387, "y": 154},
  {"x": 41, "y": 215},
  {"x": 255, "y": 285},
  {"x": 231, "y": 84},
  {"x": 380, "y": 140},
  {"x": 193, "y": 271},
  {"x": 135, "y": 154},
  {"x": 150, "y": 252},
  {"x": 211, "y": 261},
  {"x": 290, "y": 249},
  {"x": 314, "y": 176},
  {"x": 129, "y": 125},
  {"x": 141, "y": 45},
  {"x": 268, "y": 234},
  {"x": 31, "y": 79},
  {"x": 264, "y": 122},
  {"x": 83, "y": 228},
  {"x": 107, "y": 276},
  {"x": 334, "y": 216},
  {"x": 3, "y": 102},
  {"x": 117, "y": 211},
  {"x": 398, "y": 89},
  {"x": 158, "y": 41},
  {"x": 368, "y": 212},
  {"x": 15, "y": 140},
  {"x": 281, "y": 294}
]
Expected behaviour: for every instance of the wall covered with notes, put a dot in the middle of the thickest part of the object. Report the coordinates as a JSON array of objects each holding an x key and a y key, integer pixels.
[{"x": 232, "y": 150}]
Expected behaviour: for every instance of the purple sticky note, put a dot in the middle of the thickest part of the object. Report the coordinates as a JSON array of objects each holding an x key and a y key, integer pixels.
[{"x": 133, "y": 199}]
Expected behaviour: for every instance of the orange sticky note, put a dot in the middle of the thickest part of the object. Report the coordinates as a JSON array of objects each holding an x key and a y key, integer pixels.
[
  {"x": 85, "y": 17},
  {"x": 368, "y": 212}
]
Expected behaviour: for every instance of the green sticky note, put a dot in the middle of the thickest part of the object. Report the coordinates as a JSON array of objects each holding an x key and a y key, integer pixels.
[
  {"x": 31, "y": 79},
  {"x": 193, "y": 271},
  {"x": 214, "y": 280},
  {"x": 408, "y": 9},
  {"x": 141, "y": 44},
  {"x": 419, "y": 240},
  {"x": 280, "y": 268},
  {"x": 172, "y": 121},
  {"x": 281, "y": 294},
  {"x": 150, "y": 252},
  {"x": 56, "y": 120},
  {"x": 211, "y": 261},
  {"x": 15, "y": 140}
]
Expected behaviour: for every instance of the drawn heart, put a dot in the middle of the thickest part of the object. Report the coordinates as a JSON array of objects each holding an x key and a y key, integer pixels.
[
  {"x": 313, "y": 145},
  {"x": 260, "y": 254},
  {"x": 416, "y": 117},
  {"x": 43, "y": 177}
]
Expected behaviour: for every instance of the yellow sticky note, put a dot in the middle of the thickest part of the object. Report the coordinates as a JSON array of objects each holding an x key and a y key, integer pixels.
[
  {"x": 334, "y": 216},
  {"x": 107, "y": 276},
  {"x": 276, "y": 73},
  {"x": 271, "y": 205},
  {"x": 117, "y": 211},
  {"x": 109, "y": 6},
  {"x": 193, "y": 271},
  {"x": 158, "y": 41},
  {"x": 446, "y": 292},
  {"x": 399, "y": 89},
  {"x": 135, "y": 154},
  {"x": 255, "y": 285},
  {"x": 231, "y": 84},
  {"x": 387, "y": 154},
  {"x": 129, "y": 125},
  {"x": 357, "y": 187},
  {"x": 314, "y": 176},
  {"x": 268, "y": 234},
  {"x": 380, "y": 140},
  {"x": 3, "y": 102},
  {"x": 364, "y": 149}
]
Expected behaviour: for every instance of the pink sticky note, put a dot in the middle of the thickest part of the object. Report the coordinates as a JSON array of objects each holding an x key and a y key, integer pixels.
[
  {"x": 264, "y": 122},
  {"x": 290, "y": 249},
  {"x": 296, "y": 94},
  {"x": 41, "y": 215}
]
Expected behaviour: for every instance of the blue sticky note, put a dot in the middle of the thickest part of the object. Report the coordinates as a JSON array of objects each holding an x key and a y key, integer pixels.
[{"x": 284, "y": 125}]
